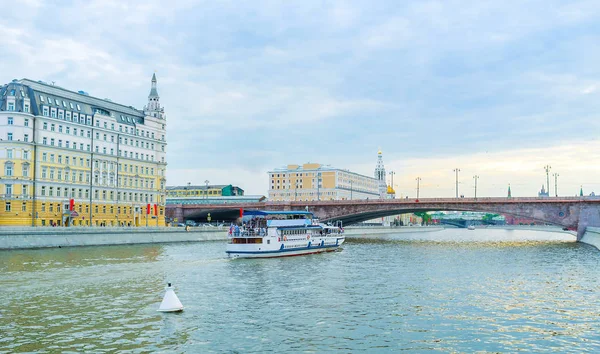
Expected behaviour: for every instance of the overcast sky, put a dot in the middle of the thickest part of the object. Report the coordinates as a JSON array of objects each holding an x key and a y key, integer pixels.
[{"x": 498, "y": 89}]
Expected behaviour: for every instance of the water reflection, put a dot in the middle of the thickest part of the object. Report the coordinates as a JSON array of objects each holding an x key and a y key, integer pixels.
[
  {"x": 54, "y": 258},
  {"x": 504, "y": 292}
]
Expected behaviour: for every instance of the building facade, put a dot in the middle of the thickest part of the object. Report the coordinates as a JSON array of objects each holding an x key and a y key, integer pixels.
[
  {"x": 313, "y": 181},
  {"x": 68, "y": 158}
]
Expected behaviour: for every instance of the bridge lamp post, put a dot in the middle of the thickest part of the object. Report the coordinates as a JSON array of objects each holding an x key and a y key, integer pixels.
[
  {"x": 206, "y": 191},
  {"x": 547, "y": 169},
  {"x": 555, "y": 184},
  {"x": 418, "y": 186},
  {"x": 350, "y": 189},
  {"x": 475, "y": 178},
  {"x": 457, "y": 171}
]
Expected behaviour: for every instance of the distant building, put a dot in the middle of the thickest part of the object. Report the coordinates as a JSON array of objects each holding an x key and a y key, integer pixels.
[
  {"x": 313, "y": 181},
  {"x": 211, "y": 194},
  {"x": 220, "y": 190},
  {"x": 543, "y": 192}
]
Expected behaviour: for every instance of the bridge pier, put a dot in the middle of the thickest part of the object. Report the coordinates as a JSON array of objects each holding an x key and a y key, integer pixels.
[{"x": 588, "y": 216}]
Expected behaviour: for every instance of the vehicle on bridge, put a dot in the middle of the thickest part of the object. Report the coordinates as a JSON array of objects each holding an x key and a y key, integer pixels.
[{"x": 268, "y": 234}]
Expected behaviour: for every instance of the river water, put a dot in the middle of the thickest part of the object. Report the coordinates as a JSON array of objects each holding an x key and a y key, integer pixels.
[{"x": 450, "y": 291}]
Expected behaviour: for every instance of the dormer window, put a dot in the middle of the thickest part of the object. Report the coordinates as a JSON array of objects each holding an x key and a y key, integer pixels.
[
  {"x": 78, "y": 107},
  {"x": 41, "y": 98},
  {"x": 71, "y": 104},
  {"x": 56, "y": 100}
]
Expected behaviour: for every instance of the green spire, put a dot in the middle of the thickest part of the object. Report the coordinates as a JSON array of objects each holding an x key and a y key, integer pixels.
[
  {"x": 509, "y": 194},
  {"x": 581, "y": 191}
]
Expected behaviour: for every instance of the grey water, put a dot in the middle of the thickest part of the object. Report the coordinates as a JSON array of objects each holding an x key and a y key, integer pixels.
[{"x": 448, "y": 291}]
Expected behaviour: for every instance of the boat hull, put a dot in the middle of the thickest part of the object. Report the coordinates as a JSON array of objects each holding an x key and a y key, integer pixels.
[{"x": 288, "y": 252}]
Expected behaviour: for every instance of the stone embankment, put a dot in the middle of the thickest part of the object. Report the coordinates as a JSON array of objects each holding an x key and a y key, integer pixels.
[{"x": 36, "y": 237}]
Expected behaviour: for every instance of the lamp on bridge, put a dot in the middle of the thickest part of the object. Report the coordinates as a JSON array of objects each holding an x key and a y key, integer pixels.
[{"x": 457, "y": 171}]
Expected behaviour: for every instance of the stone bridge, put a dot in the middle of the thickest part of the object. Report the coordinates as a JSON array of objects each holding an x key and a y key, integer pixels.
[{"x": 575, "y": 213}]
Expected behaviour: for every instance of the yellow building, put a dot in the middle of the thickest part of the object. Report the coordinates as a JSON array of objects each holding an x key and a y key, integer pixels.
[
  {"x": 58, "y": 145},
  {"x": 313, "y": 181}
]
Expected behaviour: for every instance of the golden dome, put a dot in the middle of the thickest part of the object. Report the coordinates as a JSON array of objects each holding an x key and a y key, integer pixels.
[
  {"x": 390, "y": 190},
  {"x": 379, "y": 152}
]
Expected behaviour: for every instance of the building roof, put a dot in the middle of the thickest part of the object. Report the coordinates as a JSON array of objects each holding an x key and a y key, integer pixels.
[
  {"x": 81, "y": 97},
  {"x": 153, "y": 92},
  {"x": 321, "y": 168}
]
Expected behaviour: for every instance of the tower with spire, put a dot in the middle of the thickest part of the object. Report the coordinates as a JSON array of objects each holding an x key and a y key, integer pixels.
[
  {"x": 380, "y": 175},
  {"x": 153, "y": 109}
]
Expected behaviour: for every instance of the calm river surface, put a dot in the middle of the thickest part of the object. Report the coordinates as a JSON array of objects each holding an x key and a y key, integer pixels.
[{"x": 449, "y": 291}]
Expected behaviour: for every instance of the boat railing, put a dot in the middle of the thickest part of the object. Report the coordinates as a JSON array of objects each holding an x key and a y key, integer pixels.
[{"x": 249, "y": 233}]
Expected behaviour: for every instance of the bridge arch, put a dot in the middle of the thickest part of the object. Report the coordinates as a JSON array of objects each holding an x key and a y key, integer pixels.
[{"x": 350, "y": 219}]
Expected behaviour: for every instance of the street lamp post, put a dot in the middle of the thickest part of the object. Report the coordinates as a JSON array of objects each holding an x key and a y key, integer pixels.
[
  {"x": 457, "y": 171},
  {"x": 206, "y": 191},
  {"x": 475, "y": 178},
  {"x": 556, "y": 184},
  {"x": 547, "y": 169},
  {"x": 350, "y": 190},
  {"x": 318, "y": 186},
  {"x": 418, "y": 186}
]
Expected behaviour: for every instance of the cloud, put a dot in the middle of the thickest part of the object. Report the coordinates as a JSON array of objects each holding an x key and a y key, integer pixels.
[{"x": 252, "y": 86}]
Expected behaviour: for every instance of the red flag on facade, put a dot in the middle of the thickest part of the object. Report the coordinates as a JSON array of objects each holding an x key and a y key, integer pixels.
[
  {"x": 155, "y": 210},
  {"x": 148, "y": 209},
  {"x": 241, "y": 212},
  {"x": 71, "y": 204}
]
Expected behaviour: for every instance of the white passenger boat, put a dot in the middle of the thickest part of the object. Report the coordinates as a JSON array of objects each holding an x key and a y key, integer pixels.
[
  {"x": 471, "y": 227},
  {"x": 266, "y": 234}
]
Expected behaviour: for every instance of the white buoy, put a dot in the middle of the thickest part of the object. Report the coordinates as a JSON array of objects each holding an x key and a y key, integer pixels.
[{"x": 170, "y": 302}]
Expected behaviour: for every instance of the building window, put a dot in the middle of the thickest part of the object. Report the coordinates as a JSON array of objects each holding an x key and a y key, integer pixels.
[
  {"x": 7, "y": 206},
  {"x": 11, "y": 106},
  {"x": 25, "y": 170},
  {"x": 26, "y": 138},
  {"x": 26, "y": 122},
  {"x": 26, "y": 108},
  {"x": 9, "y": 153},
  {"x": 10, "y": 121},
  {"x": 9, "y": 137},
  {"x": 45, "y": 111},
  {"x": 8, "y": 169},
  {"x": 24, "y": 207},
  {"x": 8, "y": 188},
  {"x": 43, "y": 194}
]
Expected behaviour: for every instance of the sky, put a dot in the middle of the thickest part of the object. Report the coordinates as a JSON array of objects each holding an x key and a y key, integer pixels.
[{"x": 497, "y": 89}]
